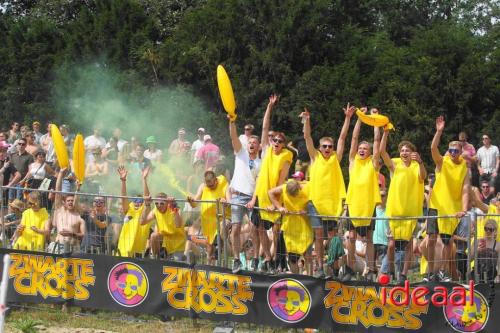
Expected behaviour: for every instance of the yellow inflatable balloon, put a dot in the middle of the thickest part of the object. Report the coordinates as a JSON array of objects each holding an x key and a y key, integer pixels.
[
  {"x": 59, "y": 146},
  {"x": 375, "y": 120},
  {"x": 226, "y": 91},
  {"x": 79, "y": 158}
]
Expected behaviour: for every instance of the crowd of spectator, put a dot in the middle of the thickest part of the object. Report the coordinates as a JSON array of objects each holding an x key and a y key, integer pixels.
[{"x": 284, "y": 207}]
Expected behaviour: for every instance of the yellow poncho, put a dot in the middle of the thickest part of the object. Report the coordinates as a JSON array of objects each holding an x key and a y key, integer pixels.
[
  {"x": 30, "y": 240},
  {"x": 134, "y": 236},
  {"x": 327, "y": 188},
  {"x": 174, "y": 238},
  {"x": 405, "y": 198},
  {"x": 209, "y": 210},
  {"x": 446, "y": 194},
  {"x": 296, "y": 229},
  {"x": 363, "y": 193},
  {"x": 268, "y": 178}
]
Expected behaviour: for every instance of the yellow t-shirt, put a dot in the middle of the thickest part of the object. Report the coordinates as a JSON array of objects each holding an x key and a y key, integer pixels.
[
  {"x": 327, "y": 188},
  {"x": 134, "y": 236},
  {"x": 363, "y": 193},
  {"x": 405, "y": 198},
  {"x": 174, "y": 238},
  {"x": 209, "y": 210},
  {"x": 268, "y": 178},
  {"x": 446, "y": 195},
  {"x": 297, "y": 230},
  {"x": 30, "y": 240}
]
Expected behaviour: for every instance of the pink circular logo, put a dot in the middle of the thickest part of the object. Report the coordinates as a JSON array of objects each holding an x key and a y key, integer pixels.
[{"x": 128, "y": 284}]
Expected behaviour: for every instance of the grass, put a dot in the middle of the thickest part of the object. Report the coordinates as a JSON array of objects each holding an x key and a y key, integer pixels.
[{"x": 27, "y": 319}]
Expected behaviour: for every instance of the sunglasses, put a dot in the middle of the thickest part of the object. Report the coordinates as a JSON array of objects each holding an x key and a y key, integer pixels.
[
  {"x": 278, "y": 141},
  {"x": 30, "y": 203},
  {"x": 138, "y": 201},
  {"x": 486, "y": 229},
  {"x": 99, "y": 202},
  {"x": 21, "y": 144},
  {"x": 485, "y": 186},
  {"x": 248, "y": 129},
  {"x": 454, "y": 151},
  {"x": 327, "y": 146}
]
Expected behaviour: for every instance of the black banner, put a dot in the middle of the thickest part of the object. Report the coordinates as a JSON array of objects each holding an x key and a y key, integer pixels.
[{"x": 176, "y": 289}]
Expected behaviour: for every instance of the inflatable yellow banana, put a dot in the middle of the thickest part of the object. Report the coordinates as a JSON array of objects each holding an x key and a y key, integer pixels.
[
  {"x": 226, "y": 91},
  {"x": 59, "y": 146},
  {"x": 375, "y": 120},
  {"x": 79, "y": 158}
]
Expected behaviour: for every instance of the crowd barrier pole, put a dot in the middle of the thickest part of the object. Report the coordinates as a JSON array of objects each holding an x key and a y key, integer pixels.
[{"x": 4, "y": 235}]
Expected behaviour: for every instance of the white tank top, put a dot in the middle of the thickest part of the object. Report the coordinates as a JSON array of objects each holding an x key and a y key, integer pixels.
[{"x": 38, "y": 171}]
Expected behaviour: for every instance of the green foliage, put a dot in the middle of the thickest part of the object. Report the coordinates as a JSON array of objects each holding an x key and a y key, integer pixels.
[
  {"x": 27, "y": 325},
  {"x": 414, "y": 60}
]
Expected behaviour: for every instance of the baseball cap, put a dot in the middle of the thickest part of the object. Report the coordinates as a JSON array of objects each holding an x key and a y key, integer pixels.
[
  {"x": 298, "y": 174},
  {"x": 4, "y": 145},
  {"x": 207, "y": 137},
  {"x": 201, "y": 129},
  {"x": 151, "y": 139}
]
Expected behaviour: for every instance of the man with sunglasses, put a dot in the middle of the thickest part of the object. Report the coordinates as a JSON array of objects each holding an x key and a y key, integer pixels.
[
  {"x": 246, "y": 168},
  {"x": 450, "y": 196},
  {"x": 21, "y": 161},
  {"x": 276, "y": 161},
  {"x": 134, "y": 235},
  {"x": 168, "y": 232},
  {"x": 327, "y": 188},
  {"x": 96, "y": 223}
]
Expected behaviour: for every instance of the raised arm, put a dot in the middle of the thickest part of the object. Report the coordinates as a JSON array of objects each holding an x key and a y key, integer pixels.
[
  {"x": 376, "y": 143},
  {"x": 383, "y": 152},
  {"x": 354, "y": 141},
  {"x": 58, "y": 196},
  {"x": 122, "y": 172},
  {"x": 145, "y": 188},
  {"x": 306, "y": 119},
  {"x": 348, "y": 111},
  {"x": 436, "y": 156},
  {"x": 266, "y": 122},
  {"x": 233, "y": 133}
]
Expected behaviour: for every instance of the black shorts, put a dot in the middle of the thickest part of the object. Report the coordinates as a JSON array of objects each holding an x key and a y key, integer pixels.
[
  {"x": 257, "y": 221},
  {"x": 432, "y": 225},
  {"x": 362, "y": 231}
]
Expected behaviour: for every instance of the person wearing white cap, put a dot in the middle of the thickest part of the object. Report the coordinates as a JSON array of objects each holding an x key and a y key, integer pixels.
[
  {"x": 197, "y": 144},
  {"x": 209, "y": 153}
]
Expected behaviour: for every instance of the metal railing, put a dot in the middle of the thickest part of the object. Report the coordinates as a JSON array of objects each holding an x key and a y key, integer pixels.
[{"x": 223, "y": 256}]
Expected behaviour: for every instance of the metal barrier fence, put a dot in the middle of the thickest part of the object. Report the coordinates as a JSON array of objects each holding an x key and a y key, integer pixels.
[{"x": 106, "y": 242}]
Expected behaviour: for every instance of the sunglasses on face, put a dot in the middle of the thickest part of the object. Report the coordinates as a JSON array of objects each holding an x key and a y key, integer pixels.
[
  {"x": 327, "y": 146},
  {"x": 30, "y": 203},
  {"x": 22, "y": 144},
  {"x": 485, "y": 186},
  {"x": 486, "y": 229},
  {"x": 453, "y": 151},
  {"x": 138, "y": 201},
  {"x": 99, "y": 202},
  {"x": 248, "y": 129},
  {"x": 278, "y": 141}
]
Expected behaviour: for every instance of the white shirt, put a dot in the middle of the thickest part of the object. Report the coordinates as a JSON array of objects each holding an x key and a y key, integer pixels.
[
  {"x": 120, "y": 144},
  {"x": 488, "y": 158},
  {"x": 244, "y": 179},
  {"x": 92, "y": 142},
  {"x": 195, "y": 147},
  {"x": 244, "y": 140},
  {"x": 152, "y": 156}
]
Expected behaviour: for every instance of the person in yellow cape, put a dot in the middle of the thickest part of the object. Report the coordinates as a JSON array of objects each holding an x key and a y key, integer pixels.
[
  {"x": 276, "y": 161},
  {"x": 327, "y": 188},
  {"x": 296, "y": 229},
  {"x": 169, "y": 230},
  {"x": 363, "y": 194},
  {"x": 405, "y": 198},
  {"x": 450, "y": 196},
  {"x": 134, "y": 235},
  {"x": 34, "y": 229},
  {"x": 212, "y": 188}
]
